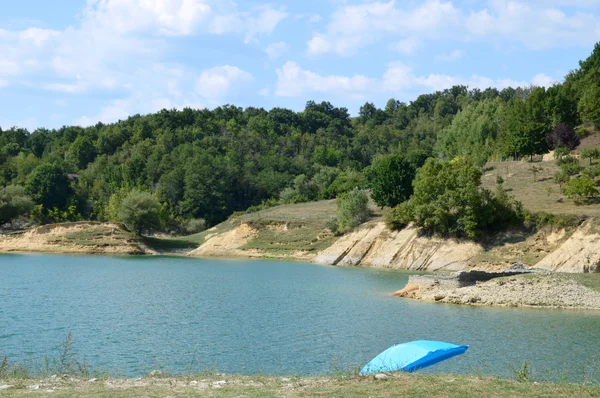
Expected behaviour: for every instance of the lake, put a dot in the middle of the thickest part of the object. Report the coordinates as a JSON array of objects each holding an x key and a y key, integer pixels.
[{"x": 131, "y": 315}]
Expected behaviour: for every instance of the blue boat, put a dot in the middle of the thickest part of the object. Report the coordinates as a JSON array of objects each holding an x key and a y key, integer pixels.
[{"x": 412, "y": 356}]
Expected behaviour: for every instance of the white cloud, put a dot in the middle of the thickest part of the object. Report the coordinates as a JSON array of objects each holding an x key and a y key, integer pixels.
[
  {"x": 276, "y": 50},
  {"x": 294, "y": 81},
  {"x": 399, "y": 78},
  {"x": 451, "y": 57},
  {"x": 216, "y": 83},
  {"x": 117, "y": 48},
  {"x": 536, "y": 24},
  {"x": 265, "y": 22},
  {"x": 543, "y": 80},
  {"x": 265, "y": 92},
  {"x": 167, "y": 17},
  {"x": 354, "y": 26},
  {"x": 409, "y": 45}
]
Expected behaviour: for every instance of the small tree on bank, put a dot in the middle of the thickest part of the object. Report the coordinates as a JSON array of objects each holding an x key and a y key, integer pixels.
[
  {"x": 591, "y": 153},
  {"x": 352, "y": 209},
  {"x": 391, "y": 178},
  {"x": 140, "y": 211}
]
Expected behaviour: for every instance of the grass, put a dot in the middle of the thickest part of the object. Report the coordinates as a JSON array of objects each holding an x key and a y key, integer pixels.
[
  {"x": 542, "y": 195},
  {"x": 591, "y": 281},
  {"x": 413, "y": 385}
]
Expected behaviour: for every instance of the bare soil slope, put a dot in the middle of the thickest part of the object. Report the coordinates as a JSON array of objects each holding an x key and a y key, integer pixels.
[{"x": 84, "y": 238}]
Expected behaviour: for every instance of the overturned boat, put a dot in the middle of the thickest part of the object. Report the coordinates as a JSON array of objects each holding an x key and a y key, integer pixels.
[{"x": 412, "y": 356}]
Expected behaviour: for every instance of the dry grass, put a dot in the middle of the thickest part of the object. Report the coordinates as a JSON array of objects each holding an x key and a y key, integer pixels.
[{"x": 541, "y": 195}]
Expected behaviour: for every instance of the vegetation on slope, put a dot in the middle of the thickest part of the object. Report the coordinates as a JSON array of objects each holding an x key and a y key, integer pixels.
[{"x": 203, "y": 165}]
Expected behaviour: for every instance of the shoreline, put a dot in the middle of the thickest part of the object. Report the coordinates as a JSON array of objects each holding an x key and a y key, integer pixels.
[{"x": 534, "y": 290}]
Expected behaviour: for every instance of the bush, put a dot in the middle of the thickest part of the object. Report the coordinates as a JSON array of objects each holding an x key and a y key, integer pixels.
[
  {"x": 561, "y": 177},
  {"x": 580, "y": 188},
  {"x": 140, "y": 211},
  {"x": 333, "y": 225},
  {"x": 563, "y": 136},
  {"x": 352, "y": 209},
  {"x": 499, "y": 180},
  {"x": 561, "y": 152},
  {"x": 570, "y": 165},
  {"x": 592, "y": 171},
  {"x": 195, "y": 225},
  {"x": 400, "y": 216},
  {"x": 449, "y": 201},
  {"x": 13, "y": 203}
]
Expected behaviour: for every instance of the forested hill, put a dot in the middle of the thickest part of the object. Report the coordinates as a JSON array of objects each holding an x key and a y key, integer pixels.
[{"x": 203, "y": 164}]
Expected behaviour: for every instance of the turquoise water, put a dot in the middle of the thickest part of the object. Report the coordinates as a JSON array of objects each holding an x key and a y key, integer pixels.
[{"x": 130, "y": 315}]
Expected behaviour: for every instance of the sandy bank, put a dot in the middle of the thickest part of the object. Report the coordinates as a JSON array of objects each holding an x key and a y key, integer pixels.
[{"x": 75, "y": 238}]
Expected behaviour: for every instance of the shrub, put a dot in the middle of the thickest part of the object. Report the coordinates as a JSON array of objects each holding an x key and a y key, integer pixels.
[
  {"x": 139, "y": 211},
  {"x": 448, "y": 200},
  {"x": 591, "y": 153},
  {"x": 561, "y": 152},
  {"x": 195, "y": 225},
  {"x": 561, "y": 177},
  {"x": 592, "y": 171},
  {"x": 333, "y": 225},
  {"x": 569, "y": 165},
  {"x": 13, "y": 203},
  {"x": 580, "y": 188},
  {"x": 352, "y": 209},
  {"x": 499, "y": 180},
  {"x": 400, "y": 216},
  {"x": 563, "y": 136}
]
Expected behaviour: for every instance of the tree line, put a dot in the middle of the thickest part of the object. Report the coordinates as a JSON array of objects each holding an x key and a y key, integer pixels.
[{"x": 195, "y": 167}]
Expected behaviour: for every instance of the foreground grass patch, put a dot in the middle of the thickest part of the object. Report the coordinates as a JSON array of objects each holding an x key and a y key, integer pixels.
[{"x": 413, "y": 385}]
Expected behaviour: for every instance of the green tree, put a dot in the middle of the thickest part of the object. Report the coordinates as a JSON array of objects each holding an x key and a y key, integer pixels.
[
  {"x": 580, "y": 188},
  {"x": 591, "y": 153},
  {"x": 81, "y": 152},
  {"x": 49, "y": 185},
  {"x": 448, "y": 200},
  {"x": 14, "y": 203},
  {"x": 560, "y": 178},
  {"x": 391, "y": 178},
  {"x": 588, "y": 105},
  {"x": 352, "y": 209},
  {"x": 139, "y": 211}
]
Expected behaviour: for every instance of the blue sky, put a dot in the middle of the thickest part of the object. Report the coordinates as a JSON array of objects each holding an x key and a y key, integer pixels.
[{"x": 79, "y": 62}]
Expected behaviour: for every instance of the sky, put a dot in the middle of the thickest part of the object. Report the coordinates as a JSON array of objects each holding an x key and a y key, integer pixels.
[{"x": 78, "y": 62}]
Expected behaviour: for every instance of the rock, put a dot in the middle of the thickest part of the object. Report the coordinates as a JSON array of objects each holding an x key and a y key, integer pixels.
[
  {"x": 34, "y": 387},
  {"x": 285, "y": 379},
  {"x": 155, "y": 373},
  {"x": 193, "y": 383},
  {"x": 5, "y": 387},
  {"x": 219, "y": 383},
  {"x": 92, "y": 380},
  {"x": 381, "y": 376}
]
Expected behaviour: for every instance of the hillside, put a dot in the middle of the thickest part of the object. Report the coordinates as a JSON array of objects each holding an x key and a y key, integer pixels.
[{"x": 288, "y": 231}]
